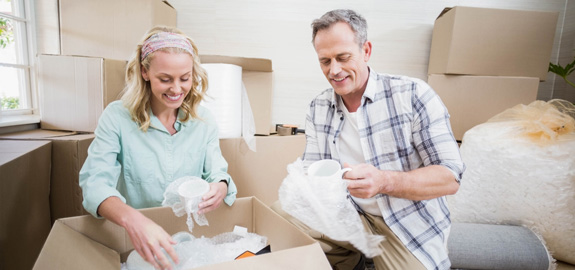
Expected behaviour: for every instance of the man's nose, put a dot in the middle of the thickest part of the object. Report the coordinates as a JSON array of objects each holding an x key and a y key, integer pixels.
[{"x": 335, "y": 68}]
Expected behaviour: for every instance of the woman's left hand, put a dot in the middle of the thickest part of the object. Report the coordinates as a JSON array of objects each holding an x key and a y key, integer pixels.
[{"x": 214, "y": 197}]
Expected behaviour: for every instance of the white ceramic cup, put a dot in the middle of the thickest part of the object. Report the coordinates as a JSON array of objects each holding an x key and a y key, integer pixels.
[
  {"x": 326, "y": 168},
  {"x": 191, "y": 193}
]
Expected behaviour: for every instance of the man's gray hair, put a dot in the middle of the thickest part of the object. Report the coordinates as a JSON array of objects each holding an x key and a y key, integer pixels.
[{"x": 352, "y": 18}]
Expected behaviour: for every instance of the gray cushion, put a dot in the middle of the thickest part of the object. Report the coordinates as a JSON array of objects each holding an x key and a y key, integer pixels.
[{"x": 489, "y": 246}]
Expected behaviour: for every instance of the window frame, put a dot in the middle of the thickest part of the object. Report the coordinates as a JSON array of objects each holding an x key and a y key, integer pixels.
[{"x": 29, "y": 95}]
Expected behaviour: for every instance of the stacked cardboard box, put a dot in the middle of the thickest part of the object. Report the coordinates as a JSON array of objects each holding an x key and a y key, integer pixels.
[
  {"x": 24, "y": 201},
  {"x": 93, "y": 43},
  {"x": 90, "y": 42},
  {"x": 69, "y": 151},
  {"x": 483, "y": 61},
  {"x": 261, "y": 173}
]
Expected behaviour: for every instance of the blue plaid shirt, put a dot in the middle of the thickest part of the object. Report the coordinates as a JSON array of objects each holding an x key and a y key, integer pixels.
[{"x": 403, "y": 126}]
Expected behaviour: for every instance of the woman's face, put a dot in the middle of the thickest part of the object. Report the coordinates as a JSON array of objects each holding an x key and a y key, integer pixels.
[{"x": 170, "y": 77}]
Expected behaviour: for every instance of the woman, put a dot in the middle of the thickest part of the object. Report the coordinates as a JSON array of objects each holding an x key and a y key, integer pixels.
[{"x": 156, "y": 134}]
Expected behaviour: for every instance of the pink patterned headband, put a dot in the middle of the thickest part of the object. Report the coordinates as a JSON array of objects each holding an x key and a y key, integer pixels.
[{"x": 165, "y": 40}]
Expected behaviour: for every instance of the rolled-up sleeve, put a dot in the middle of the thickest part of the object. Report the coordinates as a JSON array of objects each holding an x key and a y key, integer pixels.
[
  {"x": 215, "y": 166},
  {"x": 100, "y": 172},
  {"x": 432, "y": 133}
]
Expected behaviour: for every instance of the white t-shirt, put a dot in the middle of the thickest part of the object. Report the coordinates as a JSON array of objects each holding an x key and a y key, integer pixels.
[{"x": 350, "y": 151}]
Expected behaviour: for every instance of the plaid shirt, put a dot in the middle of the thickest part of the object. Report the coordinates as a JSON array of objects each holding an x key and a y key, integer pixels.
[{"x": 403, "y": 126}]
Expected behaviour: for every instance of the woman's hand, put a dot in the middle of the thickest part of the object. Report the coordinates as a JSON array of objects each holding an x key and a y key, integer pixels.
[
  {"x": 147, "y": 237},
  {"x": 214, "y": 197}
]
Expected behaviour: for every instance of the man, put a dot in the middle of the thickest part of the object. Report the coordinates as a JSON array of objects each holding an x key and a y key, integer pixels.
[{"x": 394, "y": 132}]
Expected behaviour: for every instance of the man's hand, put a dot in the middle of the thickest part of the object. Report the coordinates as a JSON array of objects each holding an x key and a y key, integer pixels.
[{"x": 366, "y": 181}]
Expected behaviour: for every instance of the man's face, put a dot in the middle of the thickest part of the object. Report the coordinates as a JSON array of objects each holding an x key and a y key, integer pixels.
[{"x": 342, "y": 61}]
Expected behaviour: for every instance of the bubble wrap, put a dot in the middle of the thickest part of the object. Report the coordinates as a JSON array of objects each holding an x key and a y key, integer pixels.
[
  {"x": 195, "y": 252},
  {"x": 172, "y": 199},
  {"x": 512, "y": 180},
  {"x": 322, "y": 204}
]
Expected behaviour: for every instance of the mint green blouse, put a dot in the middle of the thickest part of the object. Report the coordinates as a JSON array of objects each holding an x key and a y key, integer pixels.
[{"x": 137, "y": 166}]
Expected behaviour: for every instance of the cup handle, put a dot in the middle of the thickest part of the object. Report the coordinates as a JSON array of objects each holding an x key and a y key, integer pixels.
[{"x": 343, "y": 171}]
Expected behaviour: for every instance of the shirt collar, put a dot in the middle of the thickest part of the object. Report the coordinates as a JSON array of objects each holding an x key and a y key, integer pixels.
[{"x": 156, "y": 124}]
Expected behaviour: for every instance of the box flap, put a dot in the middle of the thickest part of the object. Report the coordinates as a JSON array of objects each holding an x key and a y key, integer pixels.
[
  {"x": 36, "y": 134},
  {"x": 10, "y": 150},
  {"x": 168, "y": 3},
  {"x": 102, "y": 231},
  {"x": 445, "y": 10},
  {"x": 63, "y": 242}
]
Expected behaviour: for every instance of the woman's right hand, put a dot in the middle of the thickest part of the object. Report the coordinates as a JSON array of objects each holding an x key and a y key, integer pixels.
[{"x": 147, "y": 237}]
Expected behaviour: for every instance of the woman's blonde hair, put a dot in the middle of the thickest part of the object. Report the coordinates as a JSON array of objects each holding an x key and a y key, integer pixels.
[{"x": 136, "y": 96}]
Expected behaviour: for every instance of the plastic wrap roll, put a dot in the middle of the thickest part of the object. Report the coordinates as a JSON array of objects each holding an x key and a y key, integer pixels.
[{"x": 224, "y": 98}]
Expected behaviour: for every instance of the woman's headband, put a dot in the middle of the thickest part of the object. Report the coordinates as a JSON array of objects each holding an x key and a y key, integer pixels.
[{"x": 165, "y": 40}]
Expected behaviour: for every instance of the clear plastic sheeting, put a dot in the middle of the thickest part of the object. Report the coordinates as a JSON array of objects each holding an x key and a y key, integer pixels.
[
  {"x": 521, "y": 171},
  {"x": 542, "y": 122},
  {"x": 323, "y": 205},
  {"x": 173, "y": 199},
  {"x": 195, "y": 252}
]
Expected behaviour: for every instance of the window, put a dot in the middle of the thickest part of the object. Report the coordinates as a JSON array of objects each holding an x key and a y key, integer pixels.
[{"x": 17, "y": 82}]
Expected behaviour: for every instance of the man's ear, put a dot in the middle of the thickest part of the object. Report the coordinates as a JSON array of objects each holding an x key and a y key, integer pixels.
[{"x": 366, "y": 50}]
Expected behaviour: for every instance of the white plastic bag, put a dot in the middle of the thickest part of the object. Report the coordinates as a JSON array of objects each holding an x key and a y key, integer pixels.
[
  {"x": 323, "y": 205},
  {"x": 521, "y": 171},
  {"x": 173, "y": 200}
]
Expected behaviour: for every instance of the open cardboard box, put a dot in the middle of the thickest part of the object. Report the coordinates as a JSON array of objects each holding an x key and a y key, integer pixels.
[{"x": 88, "y": 243}]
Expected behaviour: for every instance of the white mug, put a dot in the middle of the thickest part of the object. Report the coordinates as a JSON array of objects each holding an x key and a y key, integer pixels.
[
  {"x": 191, "y": 193},
  {"x": 326, "y": 168}
]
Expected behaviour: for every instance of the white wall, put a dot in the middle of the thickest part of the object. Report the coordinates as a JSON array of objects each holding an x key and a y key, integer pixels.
[{"x": 280, "y": 30}]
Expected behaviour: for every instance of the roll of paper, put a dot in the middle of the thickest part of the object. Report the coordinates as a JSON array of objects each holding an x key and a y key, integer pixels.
[
  {"x": 224, "y": 98},
  {"x": 227, "y": 100}
]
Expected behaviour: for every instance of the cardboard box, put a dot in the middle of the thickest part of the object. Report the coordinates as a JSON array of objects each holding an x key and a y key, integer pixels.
[
  {"x": 472, "y": 100},
  {"x": 109, "y": 28},
  {"x": 69, "y": 151},
  {"x": 74, "y": 90},
  {"x": 492, "y": 42},
  {"x": 261, "y": 173},
  {"x": 257, "y": 75},
  {"x": 24, "y": 202},
  {"x": 89, "y": 243}
]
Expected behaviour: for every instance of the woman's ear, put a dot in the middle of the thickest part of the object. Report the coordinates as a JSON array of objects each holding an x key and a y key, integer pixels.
[{"x": 145, "y": 73}]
